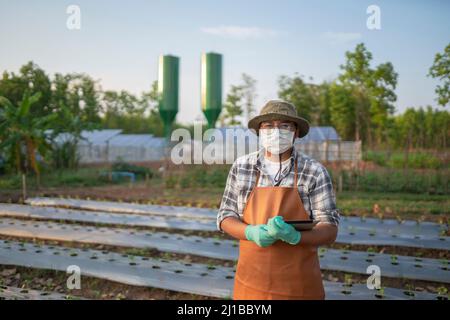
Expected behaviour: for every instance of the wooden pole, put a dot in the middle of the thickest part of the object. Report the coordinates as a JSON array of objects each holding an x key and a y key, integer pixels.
[{"x": 24, "y": 187}]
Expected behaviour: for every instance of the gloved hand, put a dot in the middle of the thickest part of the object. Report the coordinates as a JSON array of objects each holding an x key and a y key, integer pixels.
[
  {"x": 277, "y": 228},
  {"x": 258, "y": 234}
]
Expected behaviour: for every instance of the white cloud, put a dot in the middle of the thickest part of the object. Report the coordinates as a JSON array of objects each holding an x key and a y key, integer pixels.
[
  {"x": 341, "y": 37},
  {"x": 238, "y": 32}
]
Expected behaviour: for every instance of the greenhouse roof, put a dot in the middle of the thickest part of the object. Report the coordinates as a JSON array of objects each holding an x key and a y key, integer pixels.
[
  {"x": 320, "y": 134},
  {"x": 136, "y": 140}
]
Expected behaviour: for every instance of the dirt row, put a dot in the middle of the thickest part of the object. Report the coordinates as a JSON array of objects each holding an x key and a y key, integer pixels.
[
  {"x": 395, "y": 250},
  {"x": 335, "y": 276}
]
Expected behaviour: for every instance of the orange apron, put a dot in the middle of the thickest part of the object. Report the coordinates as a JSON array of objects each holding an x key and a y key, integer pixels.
[{"x": 279, "y": 271}]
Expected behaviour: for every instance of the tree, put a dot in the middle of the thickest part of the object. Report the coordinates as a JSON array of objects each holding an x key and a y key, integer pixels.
[
  {"x": 33, "y": 79},
  {"x": 233, "y": 106},
  {"x": 343, "y": 111},
  {"x": 323, "y": 97},
  {"x": 441, "y": 70},
  {"x": 132, "y": 114},
  {"x": 301, "y": 95},
  {"x": 249, "y": 93},
  {"x": 373, "y": 90},
  {"x": 21, "y": 131},
  {"x": 421, "y": 128},
  {"x": 79, "y": 93}
]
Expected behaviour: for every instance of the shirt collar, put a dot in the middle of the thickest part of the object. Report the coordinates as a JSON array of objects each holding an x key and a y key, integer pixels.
[{"x": 260, "y": 161}]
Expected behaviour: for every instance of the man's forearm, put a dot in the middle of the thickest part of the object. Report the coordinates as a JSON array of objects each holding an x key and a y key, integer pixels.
[
  {"x": 234, "y": 227},
  {"x": 322, "y": 234}
]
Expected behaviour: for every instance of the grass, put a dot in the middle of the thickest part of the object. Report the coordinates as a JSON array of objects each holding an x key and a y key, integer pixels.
[
  {"x": 83, "y": 177},
  {"x": 394, "y": 203},
  {"x": 196, "y": 188}
]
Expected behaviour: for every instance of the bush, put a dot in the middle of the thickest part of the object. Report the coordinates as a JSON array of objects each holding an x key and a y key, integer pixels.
[
  {"x": 198, "y": 177},
  {"x": 414, "y": 161},
  {"x": 137, "y": 170},
  {"x": 391, "y": 180},
  {"x": 377, "y": 157},
  {"x": 65, "y": 156},
  {"x": 397, "y": 160}
]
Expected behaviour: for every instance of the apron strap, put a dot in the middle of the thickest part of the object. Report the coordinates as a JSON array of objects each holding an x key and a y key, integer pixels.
[
  {"x": 295, "y": 172},
  {"x": 257, "y": 177}
]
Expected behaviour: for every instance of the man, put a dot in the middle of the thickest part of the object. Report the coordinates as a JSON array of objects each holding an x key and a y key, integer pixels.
[{"x": 263, "y": 190}]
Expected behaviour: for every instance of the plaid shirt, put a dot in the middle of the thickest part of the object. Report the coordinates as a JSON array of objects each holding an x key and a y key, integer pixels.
[{"x": 314, "y": 186}]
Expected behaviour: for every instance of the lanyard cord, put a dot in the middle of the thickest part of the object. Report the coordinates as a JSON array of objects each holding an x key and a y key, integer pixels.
[{"x": 277, "y": 177}]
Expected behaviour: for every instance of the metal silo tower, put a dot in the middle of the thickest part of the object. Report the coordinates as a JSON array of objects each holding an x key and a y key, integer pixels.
[
  {"x": 168, "y": 81},
  {"x": 211, "y": 86}
]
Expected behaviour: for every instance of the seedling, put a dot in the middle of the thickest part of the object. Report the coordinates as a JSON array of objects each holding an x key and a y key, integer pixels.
[
  {"x": 372, "y": 232},
  {"x": 73, "y": 254},
  {"x": 380, "y": 294},
  {"x": 351, "y": 230},
  {"x": 211, "y": 266},
  {"x": 409, "y": 290},
  {"x": 394, "y": 260},
  {"x": 166, "y": 256},
  {"x": 348, "y": 280},
  {"x": 442, "y": 293},
  {"x": 371, "y": 251}
]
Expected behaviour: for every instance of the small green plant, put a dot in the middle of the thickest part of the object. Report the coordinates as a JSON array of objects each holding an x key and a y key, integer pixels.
[
  {"x": 442, "y": 291},
  {"x": 380, "y": 294},
  {"x": 211, "y": 266},
  {"x": 348, "y": 280},
  {"x": 394, "y": 260},
  {"x": 409, "y": 290}
]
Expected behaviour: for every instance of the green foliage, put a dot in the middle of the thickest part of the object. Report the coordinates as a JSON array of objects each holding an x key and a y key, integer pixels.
[
  {"x": 233, "y": 106},
  {"x": 400, "y": 160},
  {"x": 415, "y": 161},
  {"x": 441, "y": 70},
  {"x": 22, "y": 134},
  {"x": 65, "y": 155},
  {"x": 139, "y": 171},
  {"x": 198, "y": 177},
  {"x": 393, "y": 180}
]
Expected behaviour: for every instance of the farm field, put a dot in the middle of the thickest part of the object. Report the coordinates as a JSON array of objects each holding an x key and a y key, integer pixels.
[{"x": 131, "y": 250}]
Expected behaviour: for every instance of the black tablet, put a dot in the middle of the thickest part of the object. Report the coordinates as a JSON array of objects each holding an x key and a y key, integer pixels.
[{"x": 303, "y": 225}]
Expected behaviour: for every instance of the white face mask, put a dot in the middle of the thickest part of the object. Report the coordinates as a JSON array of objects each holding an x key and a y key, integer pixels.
[{"x": 276, "y": 140}]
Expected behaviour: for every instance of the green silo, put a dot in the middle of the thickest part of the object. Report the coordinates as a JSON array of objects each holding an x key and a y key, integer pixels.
[
  {"x": 211, "y": 86},
  {"x": 168, "y": 75}
]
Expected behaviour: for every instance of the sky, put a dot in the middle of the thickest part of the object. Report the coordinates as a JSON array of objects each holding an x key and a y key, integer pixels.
[{"x": 119, "y": 42}]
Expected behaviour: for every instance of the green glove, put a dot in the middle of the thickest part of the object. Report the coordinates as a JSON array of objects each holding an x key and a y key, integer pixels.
[
  {"x": 279, "y": 229},
  {"x": 258, "y": 234}
]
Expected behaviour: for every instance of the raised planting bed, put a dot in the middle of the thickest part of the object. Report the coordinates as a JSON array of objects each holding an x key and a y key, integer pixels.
[
  {"x": 330, "y": 259},
  {"x": 351, "y": 236},
  {"x": 14, "y": 293},
  {"x": 208, "y": 280}
]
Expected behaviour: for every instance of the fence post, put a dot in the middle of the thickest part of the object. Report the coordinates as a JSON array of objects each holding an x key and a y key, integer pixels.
[{"x": 24, "y": 187}]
